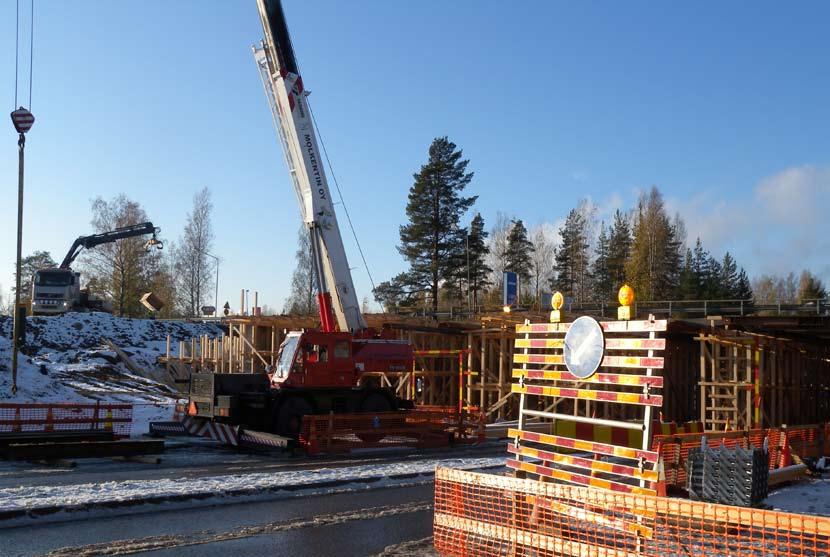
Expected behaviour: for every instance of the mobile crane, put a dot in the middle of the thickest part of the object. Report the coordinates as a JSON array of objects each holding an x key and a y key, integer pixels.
[
  {"x": 58, "y": 290},
  {"x": 317, "y": 371}
]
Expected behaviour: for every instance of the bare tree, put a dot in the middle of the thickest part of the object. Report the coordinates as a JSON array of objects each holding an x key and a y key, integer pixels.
[
  {"x": 543, "y": 238},
  {"x": 192, "y": 265},
  {"x": 497, "y": 245},
  {"x": 116, "y": 271},
  {"x": 302, "y": 300}
]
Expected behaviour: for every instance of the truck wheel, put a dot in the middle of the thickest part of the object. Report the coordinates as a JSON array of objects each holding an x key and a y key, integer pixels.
[
  {"x": 289, "y": 416},
  {"x": 373, "y": 403}
]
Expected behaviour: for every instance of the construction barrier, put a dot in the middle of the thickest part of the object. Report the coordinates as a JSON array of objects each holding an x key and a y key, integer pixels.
[
  {"x": 420, "y": 428},
  {"x": 66, "y": 416},
  {"x": 618, "y": 436},
  {"x": 783, "y": 443},
  {"x": 483, "y": 515}
]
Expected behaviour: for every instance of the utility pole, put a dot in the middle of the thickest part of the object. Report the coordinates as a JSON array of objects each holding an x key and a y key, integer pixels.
[{"x": 23, "y": 121}]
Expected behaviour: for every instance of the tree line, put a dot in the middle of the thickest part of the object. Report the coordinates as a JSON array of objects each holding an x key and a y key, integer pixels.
[
  {"x": 585, "y": 259},
  {"x": 121, "y": 272}
]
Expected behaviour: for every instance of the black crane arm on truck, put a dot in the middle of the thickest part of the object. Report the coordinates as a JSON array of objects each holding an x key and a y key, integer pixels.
[{"x": 89, "y": 242}]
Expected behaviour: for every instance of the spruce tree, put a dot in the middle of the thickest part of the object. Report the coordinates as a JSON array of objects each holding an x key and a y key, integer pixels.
[
  {"x": 432, "y": 242},
  {"x": 519, "y": 249},
  {"x": 712, "y": 286},
  {"x": 744, "y": 288},
  {"x": 729, "y": 277},
  {"x": 603, "y": 285},
  {"x": 619, "y": 248},
  {"x": 479, "y": 270},
  {"x": 653, "y": 267},
  {"x": 689, "y": 283},
  {"x": 572, "y": 259}
]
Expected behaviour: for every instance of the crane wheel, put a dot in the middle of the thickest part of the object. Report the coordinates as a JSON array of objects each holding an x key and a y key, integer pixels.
[
  {"x": 288, "y": 417},
  {"x": 373, "y": 403}
]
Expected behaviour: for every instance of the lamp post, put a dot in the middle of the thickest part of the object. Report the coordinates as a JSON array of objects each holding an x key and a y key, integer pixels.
[
  {"x": 216, "y": 300},
  {"x": 23, "y": 121}
]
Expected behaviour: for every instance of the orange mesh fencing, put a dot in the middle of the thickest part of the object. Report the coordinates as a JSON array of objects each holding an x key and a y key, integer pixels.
[
  {"x": 804, "y": 441},
  {"x": 483, "y": 515},
  {"x": 420, "y": 428},
  {"x": 66, "y": 416}
]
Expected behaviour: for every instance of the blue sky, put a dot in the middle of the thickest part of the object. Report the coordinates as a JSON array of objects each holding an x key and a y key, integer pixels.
[{"x": 723, "y": 106}]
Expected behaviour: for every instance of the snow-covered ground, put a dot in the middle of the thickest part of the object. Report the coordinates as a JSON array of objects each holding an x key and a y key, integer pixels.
[
  {"x": 79, "y": 495},
  {"x": 67, "y": 360}
]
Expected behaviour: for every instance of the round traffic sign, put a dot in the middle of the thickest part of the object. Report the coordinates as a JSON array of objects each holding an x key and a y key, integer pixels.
[
  {"x": 584, "y": 347},
  {"x": 22, "y": 120}
]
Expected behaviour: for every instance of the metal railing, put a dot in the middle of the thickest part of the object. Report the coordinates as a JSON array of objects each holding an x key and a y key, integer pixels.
[{"x": 668, "y": 308}]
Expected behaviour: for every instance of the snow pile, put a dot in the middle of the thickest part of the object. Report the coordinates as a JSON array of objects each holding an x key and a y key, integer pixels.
[
  {"x": 67, "y": 360},
  {"x": 808, "y": 497},
  {"x": 45, "y": 496}
]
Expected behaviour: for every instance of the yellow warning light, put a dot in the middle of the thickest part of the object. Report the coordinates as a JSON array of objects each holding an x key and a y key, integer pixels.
[
  {"x": 626, "y": 295},
  {"x": 557, "y": 300},
  {"x": 626, "y": 298},
  {"x": 506, "y": 309}
]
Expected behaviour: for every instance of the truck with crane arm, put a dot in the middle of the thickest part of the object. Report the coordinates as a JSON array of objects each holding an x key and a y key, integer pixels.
[
  {"x": 317, "y": 371},
  {"x": 58, "y": 290}
]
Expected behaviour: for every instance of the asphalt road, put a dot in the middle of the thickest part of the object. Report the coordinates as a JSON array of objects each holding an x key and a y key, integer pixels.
[{"x": 345, "y": 524}]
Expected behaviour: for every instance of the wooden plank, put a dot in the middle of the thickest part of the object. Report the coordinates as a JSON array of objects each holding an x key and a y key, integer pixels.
[
  {"x": 585, "y": 463},
  {"x": 578, "y": 479},
  {"x": 582, "y": 445},
  {"x": 602, "y": 378},
  {"x": 595, "y": 518},
  {"x": 608, "y": 326},
  {"x": 610, "y": 343},
  {"x": 588, "y": 394},
  {"x": 607, "y": 361}
]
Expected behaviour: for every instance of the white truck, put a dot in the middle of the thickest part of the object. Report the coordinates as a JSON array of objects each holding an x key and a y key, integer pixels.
[{"x": 58, "y": 290}]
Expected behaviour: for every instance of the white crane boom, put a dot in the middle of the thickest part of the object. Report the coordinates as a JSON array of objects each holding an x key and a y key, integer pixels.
[{"x": 292, "y": 118}]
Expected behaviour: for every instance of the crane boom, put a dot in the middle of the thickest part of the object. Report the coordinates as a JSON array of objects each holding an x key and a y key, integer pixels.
[
  {"x": 289, "y": 106},
  {"x": 89, "y": 242}
]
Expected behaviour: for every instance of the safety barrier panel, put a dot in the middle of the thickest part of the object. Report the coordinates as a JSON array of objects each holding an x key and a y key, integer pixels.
[
  {"x": 483, "y": 515},
  {"x": 420, "y": 428},
  {"x": 784, "y": 442},
  {"x": 66, "y": 416},
  {"x": 628, "y": 375}
]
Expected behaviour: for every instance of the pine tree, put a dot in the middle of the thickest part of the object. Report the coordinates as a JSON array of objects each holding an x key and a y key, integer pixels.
[
  {"x": 603, "y": 285},
  {"x": 432, "y": 242},
  {"x": 619, "y": 249},
  {"x": 519, "y": 251},
  {"x": 572, "y": 258},
  {"x": 699, "y": 266},
  {"x": 479, "y": 276}
]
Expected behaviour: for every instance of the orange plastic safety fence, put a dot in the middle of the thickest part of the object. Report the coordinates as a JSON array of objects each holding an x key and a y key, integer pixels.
[
  {"x": 484, "y": 515},
  {"x": 67, "y": 416},
  {"x": 434, "y": 427},
  {"x": 811, "y": 440}
]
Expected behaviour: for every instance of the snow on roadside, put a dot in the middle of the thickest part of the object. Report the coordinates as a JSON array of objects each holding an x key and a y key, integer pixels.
[
  {"x": 44, "y": 496},
  {"x": 807, "y": 497},
  {"x": 66, "y": 360}
]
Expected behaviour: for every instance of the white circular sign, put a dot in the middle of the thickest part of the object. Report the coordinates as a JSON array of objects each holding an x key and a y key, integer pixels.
[{"x": 584, "y": 347}]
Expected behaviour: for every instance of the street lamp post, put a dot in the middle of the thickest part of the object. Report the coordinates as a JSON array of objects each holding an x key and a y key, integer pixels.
[{"x": 216, "y": 299}]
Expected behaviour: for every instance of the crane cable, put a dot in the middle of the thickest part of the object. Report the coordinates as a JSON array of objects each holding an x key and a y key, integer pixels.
[
  {"x": 17, "y": 52},
  {"x": 342, "y": 202}
]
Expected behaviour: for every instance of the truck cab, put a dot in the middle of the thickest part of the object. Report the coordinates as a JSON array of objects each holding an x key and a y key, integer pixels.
[{"x": 54, "y": 291}]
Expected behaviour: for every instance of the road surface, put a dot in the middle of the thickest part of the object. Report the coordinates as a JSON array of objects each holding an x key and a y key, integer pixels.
[{"x": 344, "y": 524}]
